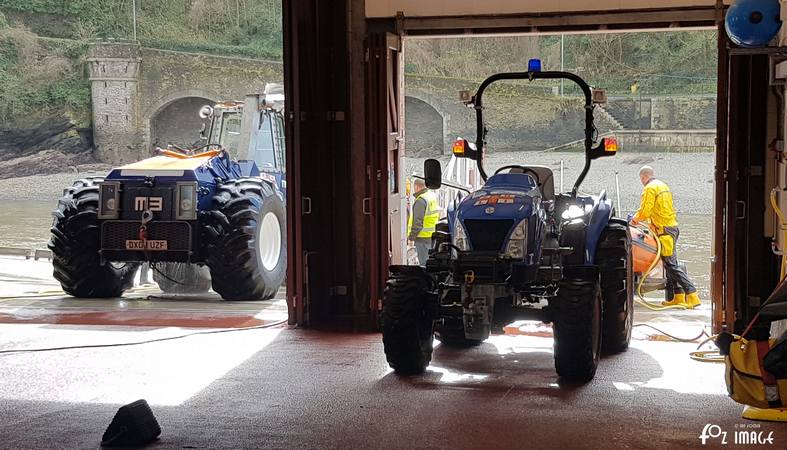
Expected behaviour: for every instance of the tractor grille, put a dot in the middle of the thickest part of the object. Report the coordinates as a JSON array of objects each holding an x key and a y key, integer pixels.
[
  {"x": 488, "y": 235},
  {"x": 114, "y": 234}
]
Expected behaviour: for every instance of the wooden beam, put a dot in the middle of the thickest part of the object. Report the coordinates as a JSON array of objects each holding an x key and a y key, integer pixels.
[{"x": 574, "y": 21}]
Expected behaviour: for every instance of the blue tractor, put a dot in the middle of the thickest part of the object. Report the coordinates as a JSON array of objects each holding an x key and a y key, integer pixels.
[
  {"x": 198, "y": 216},
  {"x": 515, "y": 250}
]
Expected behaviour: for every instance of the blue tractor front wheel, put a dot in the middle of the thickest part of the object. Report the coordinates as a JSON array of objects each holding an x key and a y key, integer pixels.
[
  {"x": 577, "y": 328},
  {"x": 408, "y": 319}
]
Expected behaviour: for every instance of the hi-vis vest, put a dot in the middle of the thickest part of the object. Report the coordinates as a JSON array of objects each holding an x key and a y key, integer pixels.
[{"x": 431, "y": 216}]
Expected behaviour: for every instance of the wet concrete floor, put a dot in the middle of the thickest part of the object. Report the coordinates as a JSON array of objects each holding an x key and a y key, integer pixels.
[{"x": 284, "y": 387}]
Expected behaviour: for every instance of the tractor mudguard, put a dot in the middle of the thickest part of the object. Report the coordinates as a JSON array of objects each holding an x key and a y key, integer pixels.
[
  {"x": 599, "y": 218},
  {"x": 248, "y": 168},
  {"x": 573, "y": 235}
]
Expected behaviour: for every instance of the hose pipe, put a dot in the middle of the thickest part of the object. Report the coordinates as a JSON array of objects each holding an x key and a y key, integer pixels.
[
  {"x": 783, "y": 228},
  {"x": 641, "y": 300}
]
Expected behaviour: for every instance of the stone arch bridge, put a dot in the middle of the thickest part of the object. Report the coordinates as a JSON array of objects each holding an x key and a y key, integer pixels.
[{"x": 145, "y": 97}]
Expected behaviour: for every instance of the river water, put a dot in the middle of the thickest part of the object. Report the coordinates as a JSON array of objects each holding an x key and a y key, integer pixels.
[{"x": 26, "y": 203}]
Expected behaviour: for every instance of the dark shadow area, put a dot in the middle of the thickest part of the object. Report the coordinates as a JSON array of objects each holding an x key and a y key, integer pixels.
[{"x": 178, "y": 123}]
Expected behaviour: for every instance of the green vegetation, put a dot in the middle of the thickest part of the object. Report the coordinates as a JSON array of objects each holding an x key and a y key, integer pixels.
[
  {"x": 231, "y": 27},
  {"x": 658, "y": 63},
  {"x": 43, "y": 42},
  {"x": 40, "y": 77}
]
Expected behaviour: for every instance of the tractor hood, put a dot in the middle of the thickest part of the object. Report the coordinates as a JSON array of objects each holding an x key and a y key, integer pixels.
[
  {"x": 205, "y": 168},
  {"x": 504, "y": 196}
]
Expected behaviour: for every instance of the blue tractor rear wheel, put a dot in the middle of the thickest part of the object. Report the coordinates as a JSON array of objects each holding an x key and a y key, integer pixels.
[
  {"x": 248, "y": 240},
  {"x": 617, "y": 286}
]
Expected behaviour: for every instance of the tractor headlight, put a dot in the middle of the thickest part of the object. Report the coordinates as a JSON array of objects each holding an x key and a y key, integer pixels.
[
  {"x": 460, "y": 237},
  {"x": 108, "y": 200},
  {"x": 186, "y": 206},
  {"x": 517, "y": 243},
  {"x": 573, "y": 212}
]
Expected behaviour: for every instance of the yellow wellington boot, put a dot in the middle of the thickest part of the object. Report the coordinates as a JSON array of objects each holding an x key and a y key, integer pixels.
[
  {"x": 677, "y": 300},
  {"x": 692, "y": 300}
]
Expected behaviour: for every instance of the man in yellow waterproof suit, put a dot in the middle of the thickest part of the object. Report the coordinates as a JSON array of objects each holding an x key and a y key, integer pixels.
[
  {"x": 423, "y": 220},
  {"x": 656, "y": 206}
]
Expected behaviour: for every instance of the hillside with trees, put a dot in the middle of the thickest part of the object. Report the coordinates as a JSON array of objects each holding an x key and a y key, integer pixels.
[{"x": 657, "y": 63}]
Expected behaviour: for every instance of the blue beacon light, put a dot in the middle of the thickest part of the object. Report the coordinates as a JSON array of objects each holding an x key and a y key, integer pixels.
[{"x": 534, "y": 65}]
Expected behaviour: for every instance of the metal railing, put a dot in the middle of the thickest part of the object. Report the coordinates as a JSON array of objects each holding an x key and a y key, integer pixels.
[{"x": 28, "y": 253}]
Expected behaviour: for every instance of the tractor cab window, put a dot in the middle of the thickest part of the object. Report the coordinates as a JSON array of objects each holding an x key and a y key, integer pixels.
[
  {"x": 263, "y": 152},
  {"x": 230, "y": 132}
]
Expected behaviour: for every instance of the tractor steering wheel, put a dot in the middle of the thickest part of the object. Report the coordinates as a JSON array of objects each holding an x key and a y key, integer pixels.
[{"x": 524, "y": 169}]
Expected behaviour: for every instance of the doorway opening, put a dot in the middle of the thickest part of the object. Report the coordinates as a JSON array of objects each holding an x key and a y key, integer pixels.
[{"x": 661, "y": 107}]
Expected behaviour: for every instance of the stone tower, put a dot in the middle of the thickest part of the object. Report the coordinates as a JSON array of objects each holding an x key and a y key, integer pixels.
[{"x": 114, "y": 78}]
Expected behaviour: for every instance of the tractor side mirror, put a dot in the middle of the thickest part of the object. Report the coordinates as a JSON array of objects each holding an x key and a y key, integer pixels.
[
  {"x": 433, "y": 174},
  {"x": 607, "y": 147}
]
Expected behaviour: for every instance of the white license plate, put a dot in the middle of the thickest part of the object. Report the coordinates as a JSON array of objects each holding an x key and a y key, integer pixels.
[{"x": 150, "y": 246}]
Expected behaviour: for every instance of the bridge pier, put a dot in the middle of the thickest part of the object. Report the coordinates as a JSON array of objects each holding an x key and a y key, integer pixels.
[
  {"x": 144, "y": 97},
  {"x": 114, "y": 79}
]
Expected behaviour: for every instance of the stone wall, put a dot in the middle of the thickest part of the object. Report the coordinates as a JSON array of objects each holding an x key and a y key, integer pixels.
[
  {"x": 529, "y": 117},
  {"x": 131, "y": 86},
  {"x": 684, "y": 141}
]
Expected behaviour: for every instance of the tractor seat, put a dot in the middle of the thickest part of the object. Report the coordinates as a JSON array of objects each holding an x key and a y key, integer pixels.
[{"x": 546, "y": 180}]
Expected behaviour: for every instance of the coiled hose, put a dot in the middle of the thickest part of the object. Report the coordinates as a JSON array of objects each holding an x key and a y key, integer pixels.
[
  {"x": 641, "y": 300},
  {"x": 697, "y": 355}
]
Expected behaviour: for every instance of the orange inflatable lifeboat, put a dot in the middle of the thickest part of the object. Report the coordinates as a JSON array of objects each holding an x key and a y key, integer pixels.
[{"x": 644, "y": 247}]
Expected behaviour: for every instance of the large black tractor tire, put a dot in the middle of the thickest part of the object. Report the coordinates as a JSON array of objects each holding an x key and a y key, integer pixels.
[
  {"x": 182, "y": 278},
  {"x": 577, "y": 329},
  {"x": 408, "y": 320},
  {"x": 75, "y": 245},
  {"x": 615, "y": 262},
  {"x": 247, "y": 249}
]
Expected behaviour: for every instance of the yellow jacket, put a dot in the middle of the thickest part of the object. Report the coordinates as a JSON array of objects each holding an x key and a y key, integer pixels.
[{"x": 656, "y": 206}]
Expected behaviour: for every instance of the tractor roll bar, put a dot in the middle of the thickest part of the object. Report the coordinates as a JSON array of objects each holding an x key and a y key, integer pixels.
[{"x": 481, "y": 129}]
